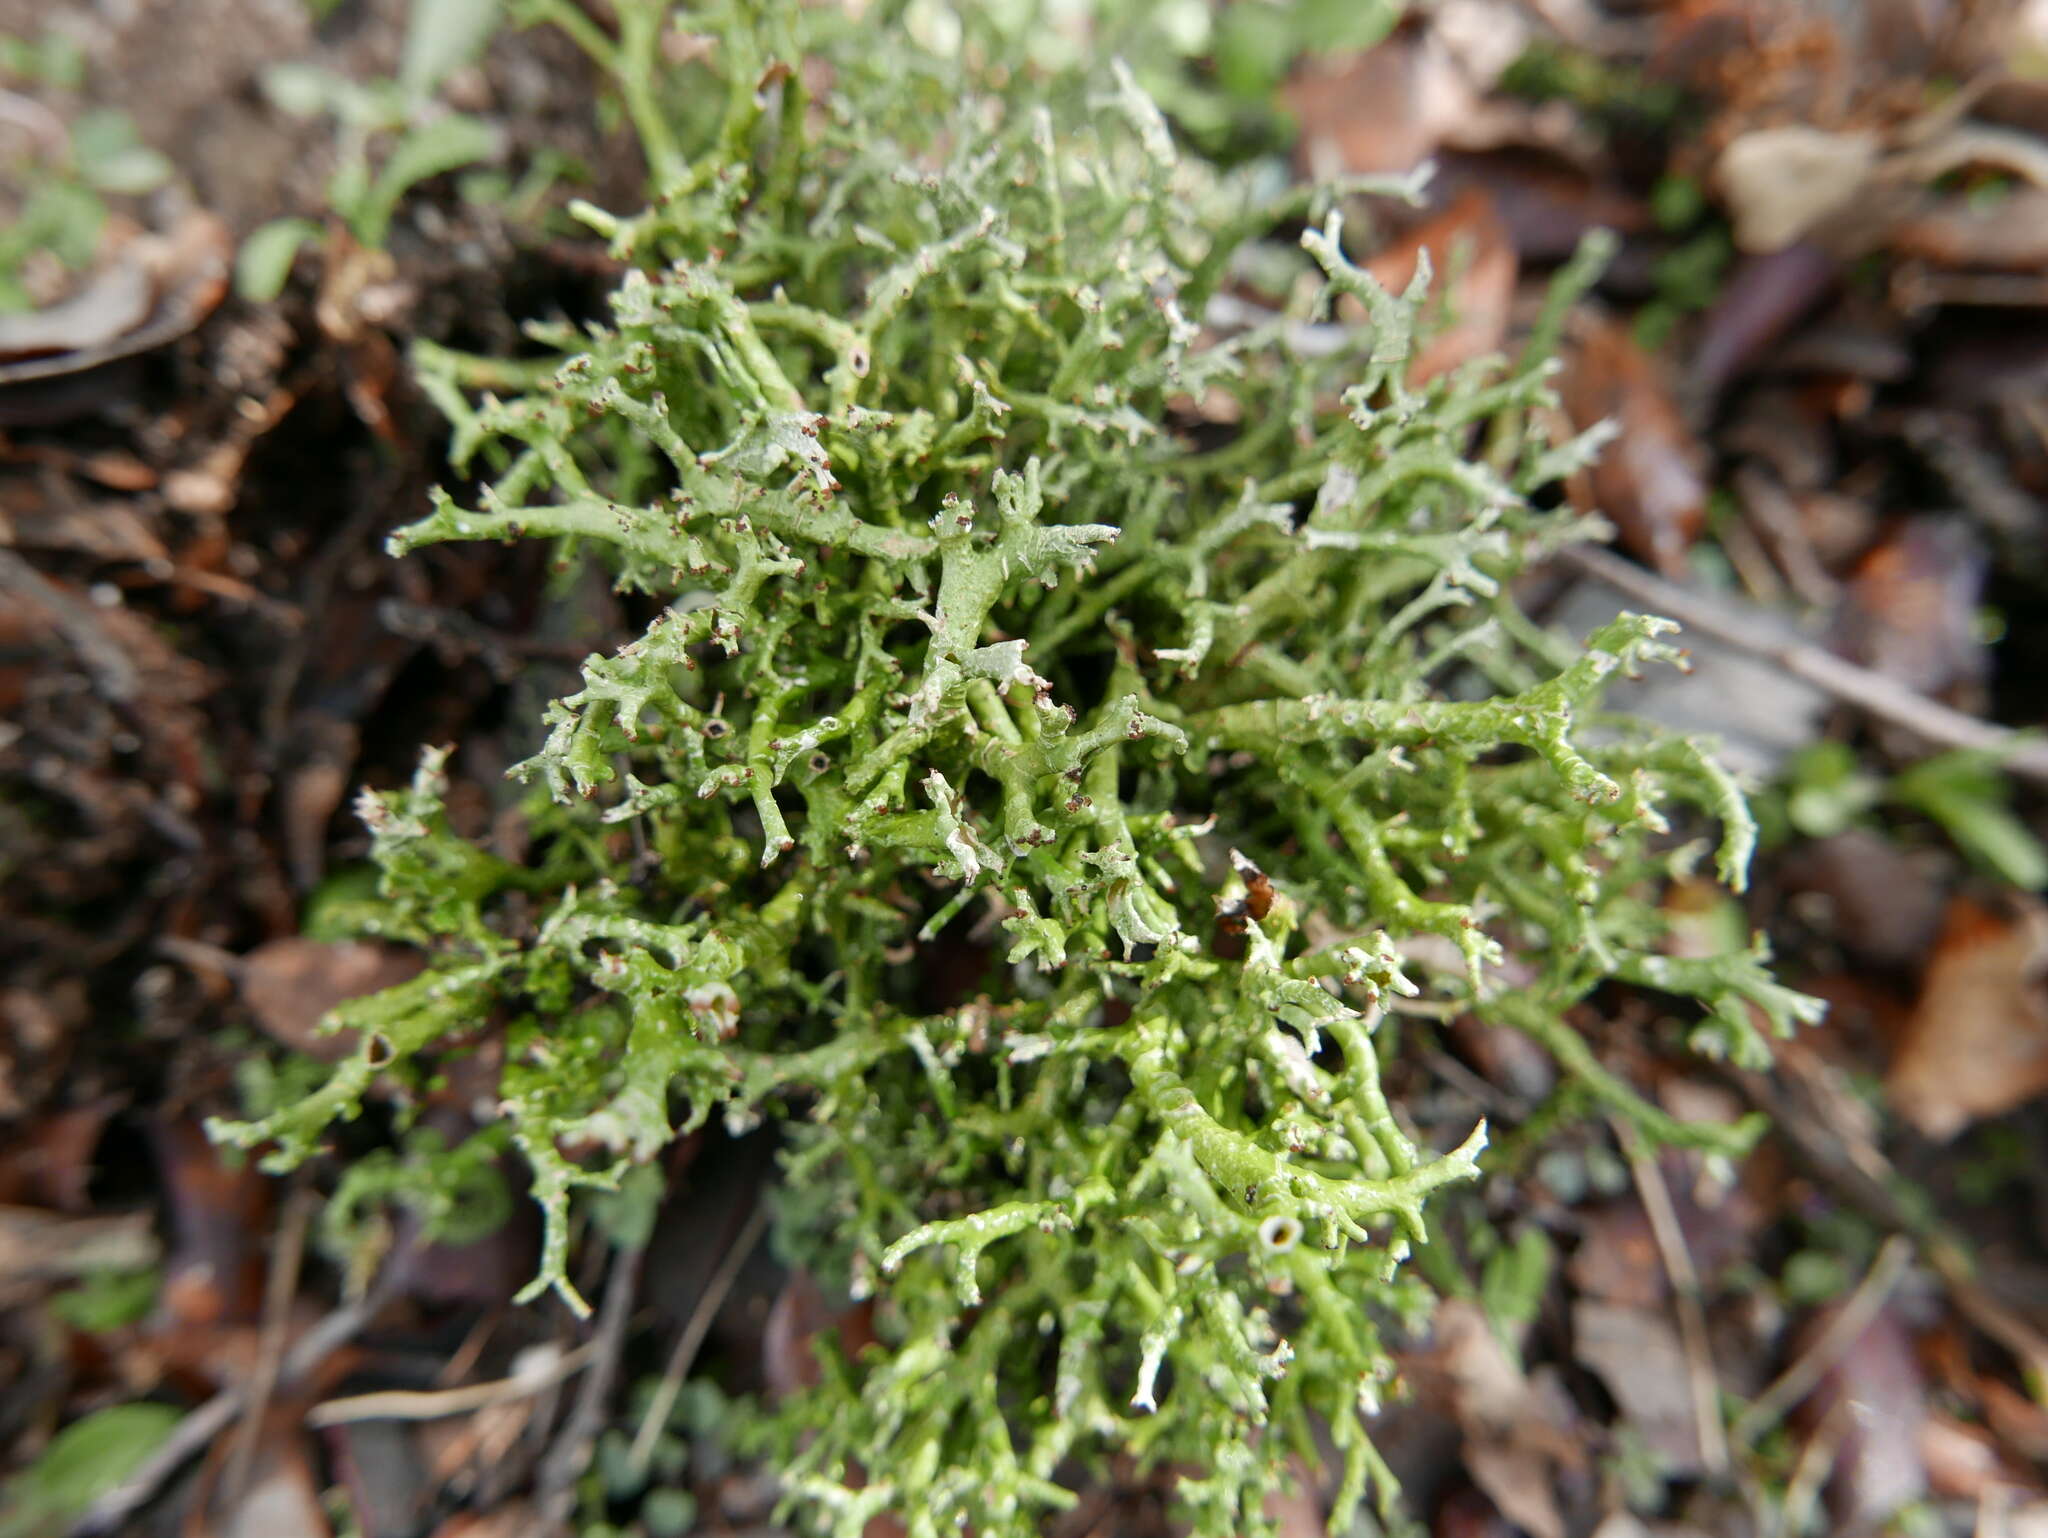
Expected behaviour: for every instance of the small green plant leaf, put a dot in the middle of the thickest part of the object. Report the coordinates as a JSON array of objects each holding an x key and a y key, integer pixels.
[
  {"x": 108, "y": 1300},
  {"x": 111, "y": 159},
  {"x": 441, "y": 36},
  {"x": 83, "y": 1462},
  {"x": 1965, "y": 792},
  {"x": 431, "y": 149},
  {"x": 264, "y": 264}
]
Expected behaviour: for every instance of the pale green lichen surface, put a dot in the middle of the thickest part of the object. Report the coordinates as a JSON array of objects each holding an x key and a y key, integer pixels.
[{"x": 1166, "y": 683}]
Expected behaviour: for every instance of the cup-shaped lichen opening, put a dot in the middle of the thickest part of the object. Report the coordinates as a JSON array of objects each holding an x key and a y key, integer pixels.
[{"x": 1280, "y": 1233}]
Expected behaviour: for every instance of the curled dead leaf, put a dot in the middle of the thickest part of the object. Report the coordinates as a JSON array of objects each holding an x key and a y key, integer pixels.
[
  {"x": 1516, "y": 1435},
  {"x": 1638, "y": 1355},
  {"x": 158, "y": 288},
  {"x": 1977, "y": 1041},
  {"x": 2010, "y": 234},
  {"x": 291, "y": 985},
  {"x": 1783, "y": 183},
  {"x": 1383, "y": 110},
  {"x": 1466, "y": 314},
  {"x": 1871, "y": 1403},
  {"x": 1651, "y": 480}
]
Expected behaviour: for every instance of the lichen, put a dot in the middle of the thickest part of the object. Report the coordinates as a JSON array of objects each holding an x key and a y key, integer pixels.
[{"x": 1065, "y": 737}]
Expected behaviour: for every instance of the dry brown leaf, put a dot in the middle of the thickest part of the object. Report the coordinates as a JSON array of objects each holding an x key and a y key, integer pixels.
[
  {"x": 44, "y": 1246},
  {"x": 2010, "y": 235},
  {"x": 160, "y": 288},
  {"x": 220, "y": 1228},
  {"x": 280, "y": 1500},
  {"x": 1547, "y": 201},
  {"x": 1873, "y": 1401},
  {"x": 1977, "y": 1041},
  {"x": 49, "y": 1161},
  {"x": 1650, "y": 481},
  {"x": 1466, "y": 314},
  {"x": 1756, "y": 306},
  {"x": 801, "y": 1313},
  {"x": 1783, "y": 183},
  {"x": 1515, "y": 1436},
  {"x": 1384, "y": 110},
  {"x": 291, "y": 985},
  {"x": 2020, "y": 1421},
  {"x": 1639, "y": 1356},
  {"x": 1878, "y": 901},
  {"x": 1961, "y": 1460},
  {"x": 1911, "y": 610}
]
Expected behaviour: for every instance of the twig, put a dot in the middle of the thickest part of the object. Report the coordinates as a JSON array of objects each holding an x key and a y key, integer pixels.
[
  {"x": 1770, "y": 508},
  {"x": 199, "y": 1428},
  {"x": 1859, "y": 686},
  {"x": 1488, "y": 1096},
  {"x": 694, "y": 1330},
  {"x": 435, "y": 1404},
  {"x": 1828, "y": 1348},
  {"x": 280, "y": 1287},
  {"x": 112, "y": 670},
  {"x": 1701, "y": 1376},
  {"x": 1860, "y": 1176},
  {"x": 554, "y": 1491},
  {"x": 1810, "y": 1473},
  {"x": 1984, "y": 1311},
  {"x": 1993, "y": 1502}
]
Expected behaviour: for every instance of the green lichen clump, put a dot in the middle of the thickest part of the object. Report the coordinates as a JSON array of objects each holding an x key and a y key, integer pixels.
[{"x": 1066, "y": 739}]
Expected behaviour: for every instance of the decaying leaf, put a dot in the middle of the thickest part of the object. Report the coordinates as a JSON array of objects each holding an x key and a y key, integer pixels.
[
  {"x": 1618, "y": 1260},
  {"x": 158, "y": 288},
  {"x": 2010, "y": 234},
  {"x": 37, "y": 1246},
  {"x": 1881, "y": 903},
  {"x": 279, "y": 1499},
  {"x": 1783, "y": 183},
  {"x": 1977, "y": 1041},
  {"x": 1871, "y": 1404},
  {"x": 1756, "y": 305},
  {"x": 220, "y": 1218},
  {"x": 290, "y": 985},
  {"x": 1386, "y": 109},
  {"x": 1474, "y": 261},
  {"x": 1650, "y": 481},
  {"x": 1639, "y": 1356},
  {"x": 1515, "y": 1435},
  {"x": 1912, "y": 606},
  {"x": 1963, "y": 1460}
]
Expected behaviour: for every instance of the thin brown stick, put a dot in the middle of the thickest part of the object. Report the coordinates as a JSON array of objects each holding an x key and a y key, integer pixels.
[
  {"x": 1810, "y": 1473},
  {"x": 280, "y": 1287},
  {"x": 113, "y": 671},
  {"x": 196, "y": 1430},
  {"x": 1841, "y": 1332},
  {"x": 436, "y": 1404},
  {"x": 694, "y": 1330},
  {"x": 574, "y": 1445},
  {"x": 1701, "y": 1375},
  {"x": 1859, "y": 686}
]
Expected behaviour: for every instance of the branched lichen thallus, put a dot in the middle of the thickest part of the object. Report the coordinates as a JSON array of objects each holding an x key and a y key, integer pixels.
[{"x": 1068, "y": 730}]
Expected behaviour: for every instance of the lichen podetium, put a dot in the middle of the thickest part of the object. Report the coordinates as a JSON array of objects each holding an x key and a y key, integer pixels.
[{"x": 1164, "y": 685}]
